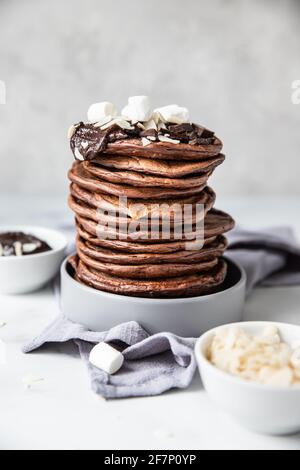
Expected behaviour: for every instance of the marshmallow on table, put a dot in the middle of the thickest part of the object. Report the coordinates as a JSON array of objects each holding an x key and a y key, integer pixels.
[
  {"x": 99, "y": 111},
  {"x": 137, "y": 109},
  {"x": 173, "y": 113},
  {"x": 106, "y": 357}
]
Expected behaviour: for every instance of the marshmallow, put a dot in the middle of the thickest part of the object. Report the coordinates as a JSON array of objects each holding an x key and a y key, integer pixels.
[
  {"x": 98, "y": 111},
  {"x": 105, "y": 357},
  {"x": 137, "y": 109},
  {"x": 173, "y": 113}
]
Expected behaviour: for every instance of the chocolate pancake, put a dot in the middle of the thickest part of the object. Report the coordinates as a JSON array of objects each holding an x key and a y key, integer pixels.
[
  {"x": 166, "y": 169},
  {"x": 132, "y": 247},
  {"x": 216, "y": 223},
  {"x": 89, "y": 212},
  {"x": 189, "y": 141},
  {"x": 143, "y": 235},
  {"x": 141, "y": 180},
  {"x": 82, "y": 178},
  {"x": 210, "y": 251},
  {"x": 181, "y": 286},
  {"x": 146, "y": 271},
  {"x": 164, "y": 150},
  {"x": 137, "y": 209}
]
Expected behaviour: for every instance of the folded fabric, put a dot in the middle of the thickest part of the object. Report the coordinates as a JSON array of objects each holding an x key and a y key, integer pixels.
[
  {"x": 153, "y": 364},
  {"x": 270, "y": 257}
]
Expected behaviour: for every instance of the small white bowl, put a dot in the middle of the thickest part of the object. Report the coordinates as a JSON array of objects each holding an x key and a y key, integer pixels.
[
  {"x": 23, "y": 274},
  {"x": 261, "y": 408}
]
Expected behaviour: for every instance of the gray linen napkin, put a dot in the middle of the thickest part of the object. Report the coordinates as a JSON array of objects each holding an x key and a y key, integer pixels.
[
  {"x": 270, "y": 257},
  {"x": 153, "y": 364}
]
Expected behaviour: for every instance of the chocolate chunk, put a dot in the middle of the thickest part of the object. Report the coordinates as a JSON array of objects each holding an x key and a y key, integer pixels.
[
  {"x": 203, "y": 132},
  {"x": 149, "y": 133},
  {"x": 181, "y": 128},
  {"x": 205, "y": 141},
  {"x": 119, "y": 134}
]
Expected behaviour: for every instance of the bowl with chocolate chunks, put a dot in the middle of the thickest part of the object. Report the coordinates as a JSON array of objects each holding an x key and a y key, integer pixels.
[{"x": 29, "y": 257}]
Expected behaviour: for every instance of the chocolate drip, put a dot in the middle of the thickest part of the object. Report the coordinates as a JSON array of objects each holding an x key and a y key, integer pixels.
[{"x": 89, "y": 140}]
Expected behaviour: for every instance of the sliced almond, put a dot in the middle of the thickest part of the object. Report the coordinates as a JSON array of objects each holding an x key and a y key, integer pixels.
[
  {"x": 78, "y": 154},
  {"x": 29, "y": 247},
  {"x": 1, "y": 250},
  {"x": 121, "y": 122},
  {"x": 71, "y": 131},
  {"x": 146, "y": 141},
  {"x": 103, "y": 121},
  {"x": 18, "y": 248},
  {"x": 163, "y": 138},
  {"x": 31, "y": 379},
  {"x": 140, "y": 125},
  {"x": 161, "y": 125}
]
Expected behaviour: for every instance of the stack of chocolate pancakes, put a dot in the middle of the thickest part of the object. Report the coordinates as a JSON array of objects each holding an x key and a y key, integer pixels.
[{"x": 131, "y": 182}]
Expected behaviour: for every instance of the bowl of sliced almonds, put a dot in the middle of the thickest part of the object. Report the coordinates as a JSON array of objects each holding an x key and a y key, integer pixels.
[{"x": 251, "y": 370}]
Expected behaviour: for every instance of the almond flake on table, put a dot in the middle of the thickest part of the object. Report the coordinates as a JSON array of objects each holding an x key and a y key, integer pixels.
[{"x": 31, "y": 379}]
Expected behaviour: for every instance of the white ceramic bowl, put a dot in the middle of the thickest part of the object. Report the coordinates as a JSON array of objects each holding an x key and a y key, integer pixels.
[
  {"x": 261, "y": 408},
  {"x": 98, "y": 310},
  {"x": 19, "y": 275}
]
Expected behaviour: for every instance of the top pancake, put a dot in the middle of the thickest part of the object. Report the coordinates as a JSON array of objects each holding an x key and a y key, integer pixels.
[
  {"x": 164, "y": 150},
  {"x": 188, "y": 142}
]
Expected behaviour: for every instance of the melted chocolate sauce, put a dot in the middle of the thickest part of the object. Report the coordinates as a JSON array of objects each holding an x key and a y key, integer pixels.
[
  {"x": 89, "y": 140},
  {"x": 21, "y": 244}
]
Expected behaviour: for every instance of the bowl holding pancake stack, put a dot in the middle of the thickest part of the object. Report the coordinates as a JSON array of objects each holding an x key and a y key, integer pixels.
[{"x": 150, "y": 242}]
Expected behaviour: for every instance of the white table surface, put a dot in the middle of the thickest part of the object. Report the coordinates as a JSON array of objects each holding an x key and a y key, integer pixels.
[{"x": 62, "y": 413}]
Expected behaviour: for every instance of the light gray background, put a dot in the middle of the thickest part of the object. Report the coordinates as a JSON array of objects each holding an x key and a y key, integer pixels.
[{"x": 231, "y": 62}]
